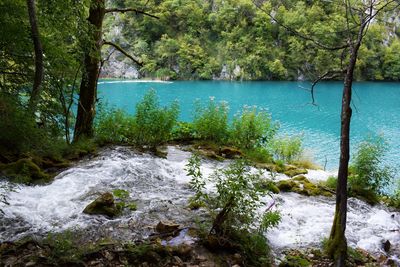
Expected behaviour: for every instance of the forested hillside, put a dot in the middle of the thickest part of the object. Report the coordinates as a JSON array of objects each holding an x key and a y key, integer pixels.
[{"x": 237, "y": 39}]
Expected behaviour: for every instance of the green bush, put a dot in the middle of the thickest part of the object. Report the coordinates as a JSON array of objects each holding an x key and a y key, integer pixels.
[
  {"x": 251, "y": 128},
  {"x": 234, "y": 209},
  {"x": 367, "y": 174},
  {"x": 21, "y": 133},
  {"x": 154, "y": 124},
  {"x": 238, "y": 197},
  {"x": 286, "y": 148},
  {"x": 183, "y": 131},
  {"x": 258, "y": 154},
  {"x": 211, "y": 122},
  {"x": 114, "y": 126}
]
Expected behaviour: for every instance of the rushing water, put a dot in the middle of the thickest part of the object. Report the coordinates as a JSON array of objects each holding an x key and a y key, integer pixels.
[
  {"x": 160, "y": 188},
  {"x": 376, "y": 108}
]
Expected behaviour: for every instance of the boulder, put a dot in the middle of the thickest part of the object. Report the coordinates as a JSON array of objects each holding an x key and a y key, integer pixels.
[{"x": 103, "y": 205}]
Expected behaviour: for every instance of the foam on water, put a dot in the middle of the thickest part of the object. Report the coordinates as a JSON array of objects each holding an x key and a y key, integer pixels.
[{"x": 160, "y": 188}]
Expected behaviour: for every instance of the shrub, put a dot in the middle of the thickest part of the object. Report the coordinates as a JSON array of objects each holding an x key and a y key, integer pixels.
[
  {"x": 251, "y": 128},
  {"x": 234, "y": 209},
  {"x": 154, "y": 124},
  {"x": 237, "y": 198},
  {"x": 258, "y": 154},
  {"x": 211, "y": 122},
  {"x": 287, "y": 149},
  {"x": 183, "y": 131},
  {"x": 114, "y": 126},
  {"x": 367, "y": 174},
  {"x": 20, "y": 132}
]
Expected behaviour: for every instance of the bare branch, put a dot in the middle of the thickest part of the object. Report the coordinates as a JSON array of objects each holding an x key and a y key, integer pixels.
[
  {"x": 120, "y": 49},
  {"x": 326, "y": 76},
  {"x": 124, "y": 10}
]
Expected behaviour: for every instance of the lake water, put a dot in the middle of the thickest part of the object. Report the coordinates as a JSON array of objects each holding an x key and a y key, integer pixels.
[{"x": 376, "y": 108}]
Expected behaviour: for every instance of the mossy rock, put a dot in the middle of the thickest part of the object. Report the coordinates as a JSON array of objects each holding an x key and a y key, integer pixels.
[
  {"x": 286, "y": 185},
  {"x": 291, "y": 172},
  {"x": 103, "y": 205},
  {"x": 25, "y": 171},
  {"x": 301, "y": 185}
]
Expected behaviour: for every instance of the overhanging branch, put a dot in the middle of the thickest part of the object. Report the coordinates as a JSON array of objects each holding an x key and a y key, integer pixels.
[
  {"x": 120, "y": 49},
  {"x": 124, "y": 10}
]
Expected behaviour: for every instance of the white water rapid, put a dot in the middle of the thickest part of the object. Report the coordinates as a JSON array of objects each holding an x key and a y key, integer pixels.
[{"x": 160, "y": 188}]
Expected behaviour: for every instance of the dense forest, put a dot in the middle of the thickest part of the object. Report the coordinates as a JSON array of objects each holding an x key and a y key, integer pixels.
[
  {"x": 197, "y": 39},
  {"x": 218, "y": 178}
]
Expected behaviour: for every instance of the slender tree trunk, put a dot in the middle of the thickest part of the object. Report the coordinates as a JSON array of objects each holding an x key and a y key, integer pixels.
[
  {"x": 88, "y": 88},
  {"x": 38, "y": 53},
  {"x": 337, "y": 246}
]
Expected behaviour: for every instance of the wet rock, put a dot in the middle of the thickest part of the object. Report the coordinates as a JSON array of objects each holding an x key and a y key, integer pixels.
[
  {"x": 103, "y": 205},
  {"x": 386, "y": 246},
  {"x": 161, "y": 152},
  {"x": 166, "y": 227},
  {"x": 230, "y": 153}
]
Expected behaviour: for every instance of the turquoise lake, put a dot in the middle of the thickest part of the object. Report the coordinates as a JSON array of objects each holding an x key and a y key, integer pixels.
[{"x": 376, "y": 108}]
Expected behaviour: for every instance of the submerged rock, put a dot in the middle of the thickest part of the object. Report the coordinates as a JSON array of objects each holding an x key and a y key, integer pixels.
[
  {"x": 103, "y": 205},
  {"x": 166, "y": 227}
]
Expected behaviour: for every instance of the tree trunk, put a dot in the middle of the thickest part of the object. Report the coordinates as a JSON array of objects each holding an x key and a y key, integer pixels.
[
  {"x": 337, "y": 244},
  {"x": 88, "y": 87},
  {"x": 38, "y": 53}
]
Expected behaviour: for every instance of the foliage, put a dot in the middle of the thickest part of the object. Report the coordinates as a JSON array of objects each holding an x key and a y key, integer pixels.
[
  {"x": 63, "y": 247},
  {"x": 20, "y": 132},
  {"x": 367, "y": 174},
  {"x": 114, "y": 126},
  {"x": 286, "y": 148},
  {"x": 331, "y": 182},
  {"x": 183, "y": 131},
  {"x": 237, "y": 199},
  {"x": 211, "y": 122},
  {"x": 122, "y": 201},
  {"x": 153, "y": 124},
  {"x": 251, "y": 128},
  {"x": 235, "y": 40},
  {"x": 259, "y": 154}
]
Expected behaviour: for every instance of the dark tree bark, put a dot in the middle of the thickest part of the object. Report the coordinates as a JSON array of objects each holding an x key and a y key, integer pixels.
[
  {"x": 88, "y": 87},
  {"x": 38, "y": 54}
]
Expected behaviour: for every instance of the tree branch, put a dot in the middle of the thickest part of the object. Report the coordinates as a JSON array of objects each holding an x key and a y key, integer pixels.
[
  {"x": 326, "y": 76},
  {"x": 124, "y": 10},
  {"x": 120, "y": 49}
]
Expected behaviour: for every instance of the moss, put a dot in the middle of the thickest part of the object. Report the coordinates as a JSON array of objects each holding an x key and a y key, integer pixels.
[
  {"x": 306, "y": 164},
  {"x": 24, "y": 171},
  {"x": 291, "y": 172},
  {"x": 103, "y": 205},
  {"x": 294, "y": 261},
  {"x": 286, "y": 185},
  {"x": 301, "y": 185}
]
